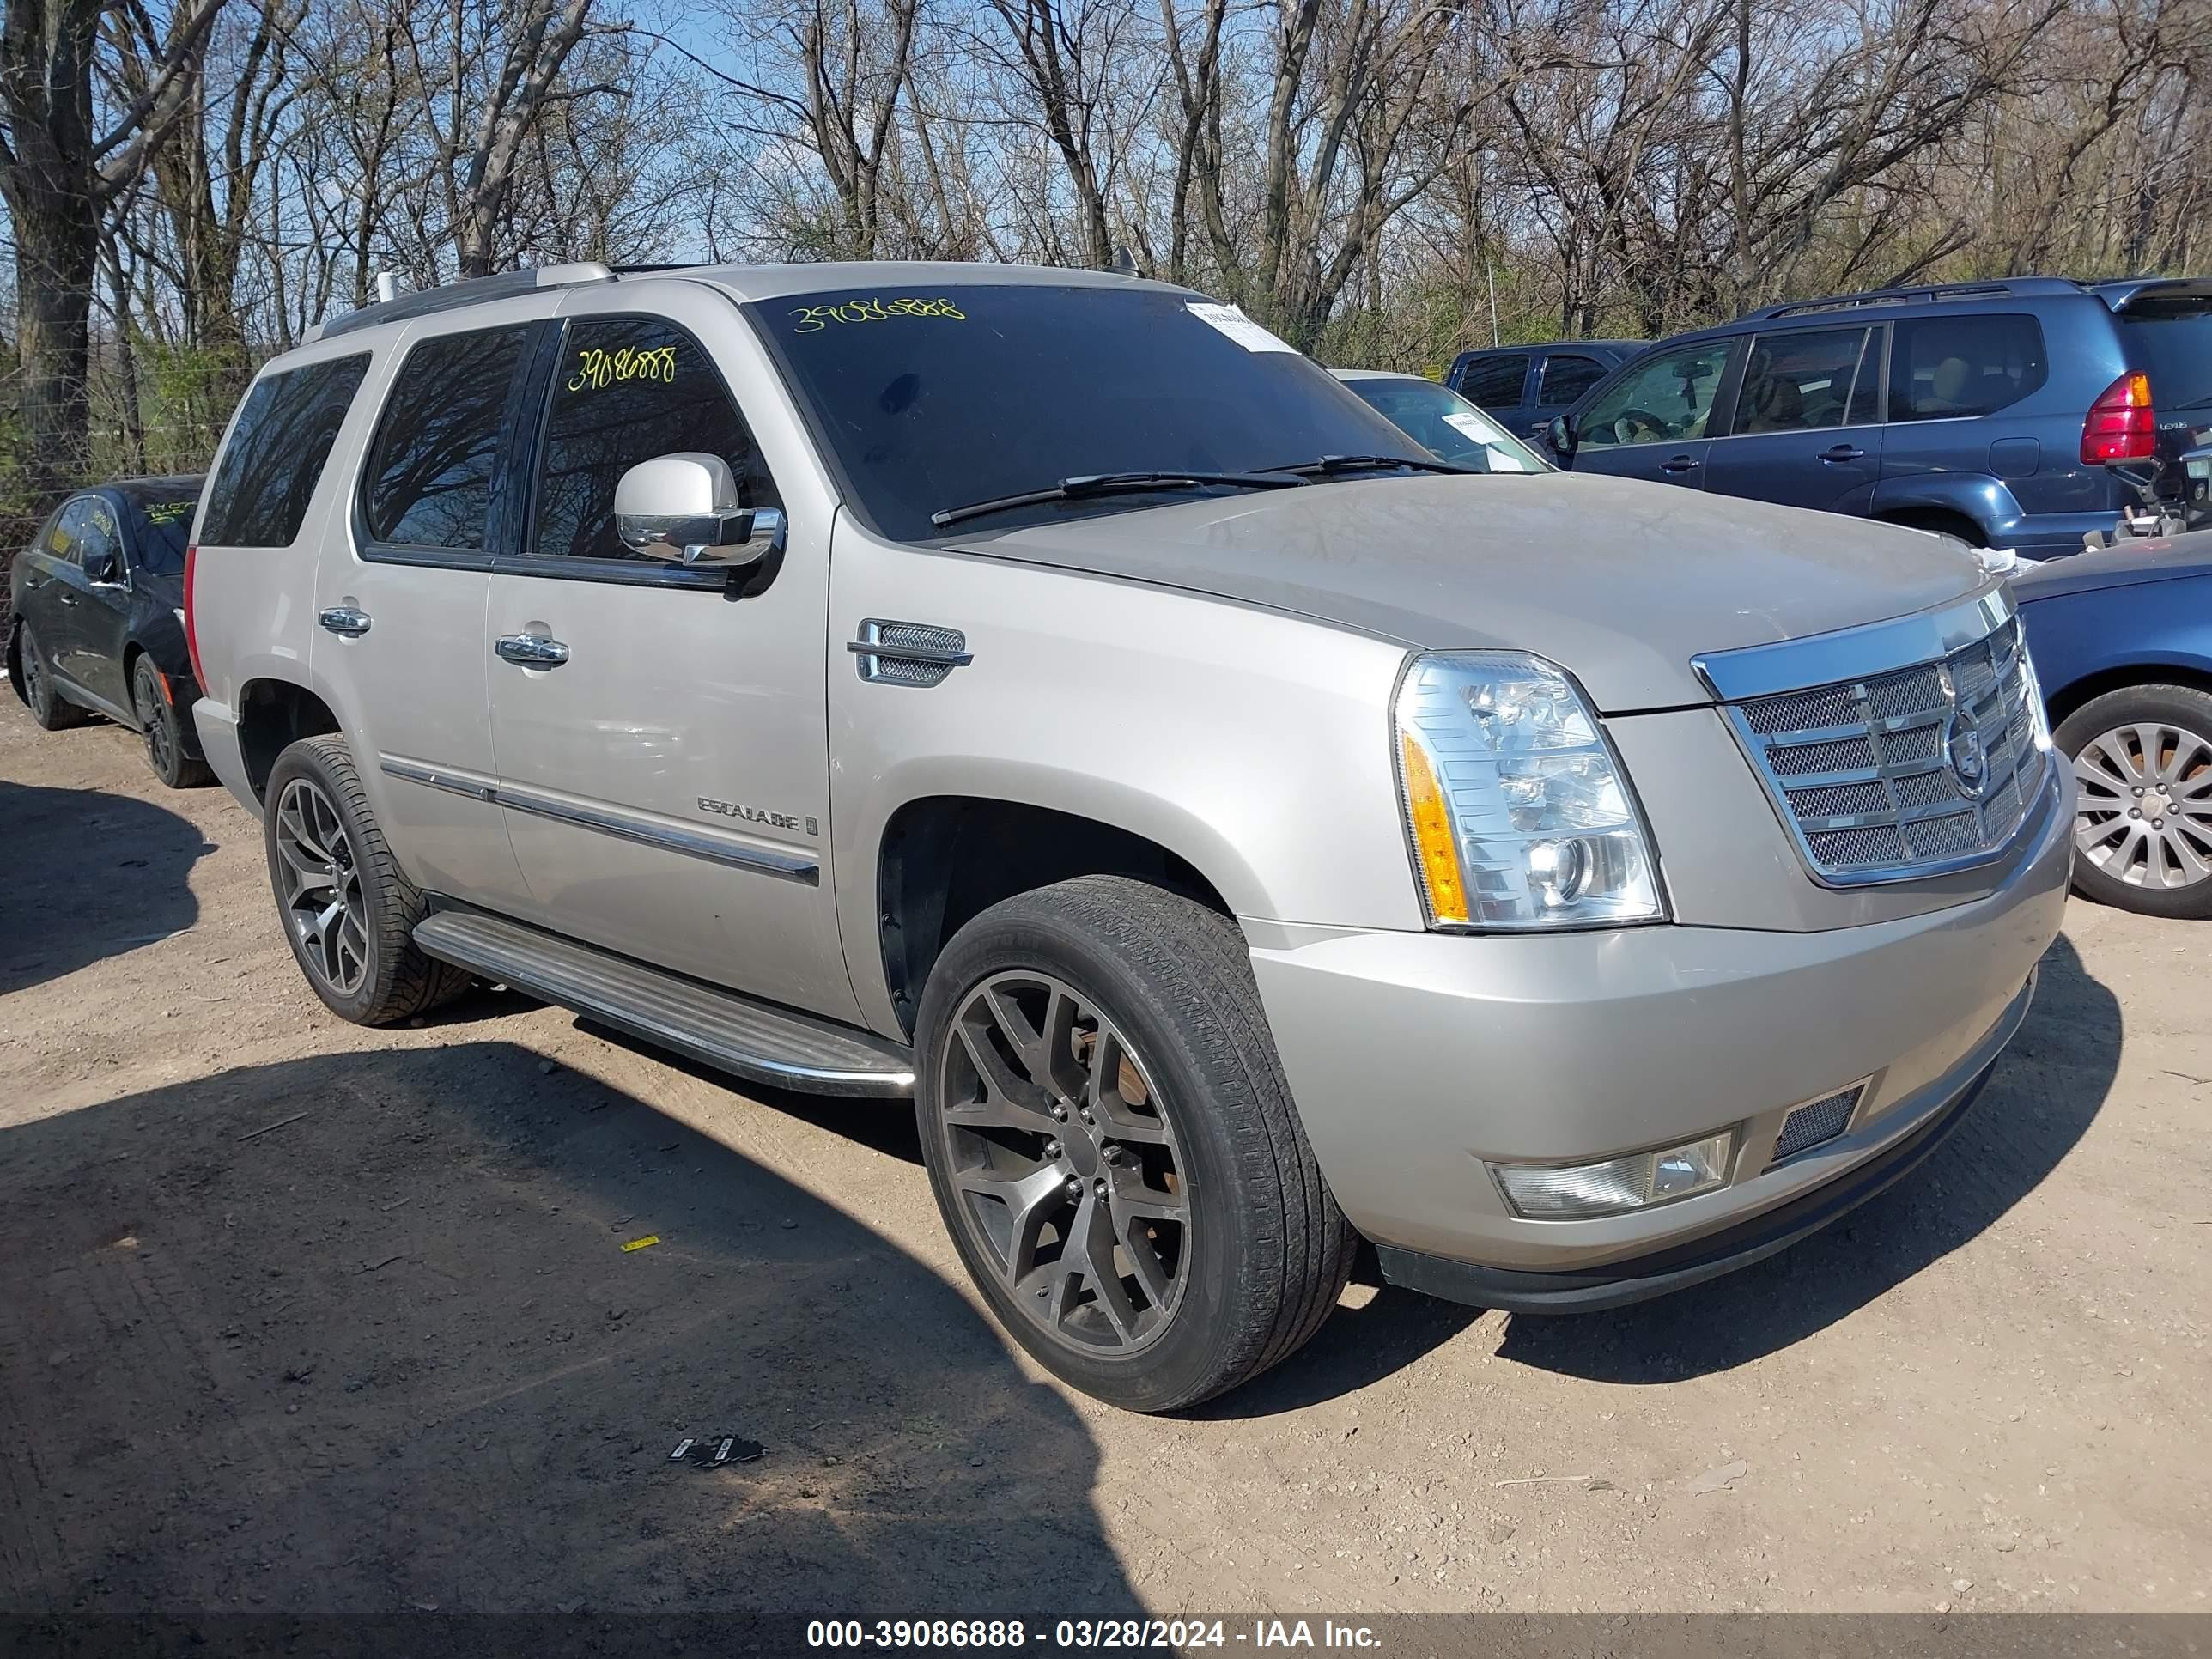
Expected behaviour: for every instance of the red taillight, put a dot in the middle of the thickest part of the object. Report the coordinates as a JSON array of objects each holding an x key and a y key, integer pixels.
[
  {"x": 192, "y": 633},
  {"x": 2122, "y": 426}
]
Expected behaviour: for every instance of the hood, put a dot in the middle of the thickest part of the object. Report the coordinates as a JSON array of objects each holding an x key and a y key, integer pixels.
[
  {"x": 2138, "y": 559},
  {"x": 1619, "y": 582}
]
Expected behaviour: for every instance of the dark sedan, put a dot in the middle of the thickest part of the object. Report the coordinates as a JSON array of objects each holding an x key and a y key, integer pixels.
[
  {"x": 2122, "y": 638},
  {"x": 99, "y": 618}
]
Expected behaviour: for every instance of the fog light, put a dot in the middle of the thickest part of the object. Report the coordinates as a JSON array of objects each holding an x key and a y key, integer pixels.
[{"x": 1634, "y": 1182}]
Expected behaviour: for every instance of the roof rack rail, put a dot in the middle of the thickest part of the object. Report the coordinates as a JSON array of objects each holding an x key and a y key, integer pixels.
[
  {"x": 425, "y": 302},
  {"x": 1924, "y": 293}
]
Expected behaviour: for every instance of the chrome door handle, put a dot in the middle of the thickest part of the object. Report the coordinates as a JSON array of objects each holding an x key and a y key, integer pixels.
[
  {"x": 1843, "y": 453},
  {"x": 531, "y": 651},
  {"x": 345, "y": 619}
]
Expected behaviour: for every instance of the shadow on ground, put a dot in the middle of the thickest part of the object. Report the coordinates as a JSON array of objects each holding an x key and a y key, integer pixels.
[
  {"x": 392, "y": 1355},
  {"x": 2038, "y": 1105},
  {"x": 88, "y": 875}
]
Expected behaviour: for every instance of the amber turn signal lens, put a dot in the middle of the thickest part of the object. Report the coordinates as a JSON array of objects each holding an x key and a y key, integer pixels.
[{"x": 1433, "y": 839}]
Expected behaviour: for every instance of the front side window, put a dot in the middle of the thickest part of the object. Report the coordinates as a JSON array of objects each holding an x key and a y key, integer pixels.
[
  {"x": 956, "y": 397},
  {"x": 1567, "y": 379},
  {"x": 1802, "y": 382},
  {"x": 270, "y": 465},
  {"x": 629, "y": 389},
  {"x": 1494, "y": 382},
  {"x": 1666, "y": 397},
  {"x": 64, "y": 537},
  {"x": 430, "y": 473},
  {"x": 1942, "y": 368}
]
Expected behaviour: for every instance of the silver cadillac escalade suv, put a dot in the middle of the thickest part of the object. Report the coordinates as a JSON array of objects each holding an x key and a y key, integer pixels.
[{"x": 1045, "y": 696}]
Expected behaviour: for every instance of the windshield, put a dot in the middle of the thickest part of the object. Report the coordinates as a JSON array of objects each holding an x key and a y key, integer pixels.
[
  {"x": 159, "y": 528},
  {"x": 2171, "y": 341},
  {"x": 930, "y": 402},
  {"x": 1446, "y": 424}
]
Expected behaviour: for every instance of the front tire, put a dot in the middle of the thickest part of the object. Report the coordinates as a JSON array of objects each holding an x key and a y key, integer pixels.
[
  {"x": 162, "y": 729},
  {"x": 48, "y": 707},
  {"x": 1114, "y": 1148},
  {"x": 349, "y": 911},
  {"x": 2142, "y": 823}
]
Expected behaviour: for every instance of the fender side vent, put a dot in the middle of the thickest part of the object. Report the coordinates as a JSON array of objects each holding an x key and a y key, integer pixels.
[{"x": 918, "y": 654}]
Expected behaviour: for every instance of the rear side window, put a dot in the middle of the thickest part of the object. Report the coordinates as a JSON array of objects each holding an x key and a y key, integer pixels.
[
  {"x": 1941, "y": 368},
  {"x": 275, "y": 456},
  {"x": 1494, "y": 382},
  {"x": 437, "y": 446},
  {"x": 1801, "y": 382},
  {"x": 1567, "y": 379},
  {"x": 629, "y": 389}
]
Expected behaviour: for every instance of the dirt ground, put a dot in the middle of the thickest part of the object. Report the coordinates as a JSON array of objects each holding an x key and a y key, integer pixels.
[{"x": 298, "y": 1316}]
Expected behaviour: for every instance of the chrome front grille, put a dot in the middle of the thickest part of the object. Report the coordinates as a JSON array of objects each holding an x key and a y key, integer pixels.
[{"x": 1911, "y": 772}]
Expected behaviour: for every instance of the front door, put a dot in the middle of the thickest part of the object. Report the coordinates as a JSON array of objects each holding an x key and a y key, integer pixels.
[
  {"x": 1808, "y": 427},
  {"x": 1651, "y": 422},
  {"x": 661, "y": 733}
]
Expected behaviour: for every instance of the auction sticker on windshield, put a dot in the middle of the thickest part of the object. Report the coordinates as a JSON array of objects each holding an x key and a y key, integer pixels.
[{"x": 1232, "y": 321}]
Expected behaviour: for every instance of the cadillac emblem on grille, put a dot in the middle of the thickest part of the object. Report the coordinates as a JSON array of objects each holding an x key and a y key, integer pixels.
[{"x": 1918, "y": 770}]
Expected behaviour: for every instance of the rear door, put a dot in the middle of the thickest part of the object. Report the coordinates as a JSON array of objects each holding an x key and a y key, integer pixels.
[
  {"x": 1807, "y": 426},
  {"x": 1651, "y": 421},
  {"x": 97, "y": 624},
  {"x": 400, "y": 597},
  {"x": 666, "y": 775},
  {"x": 1496, "y": 382}
]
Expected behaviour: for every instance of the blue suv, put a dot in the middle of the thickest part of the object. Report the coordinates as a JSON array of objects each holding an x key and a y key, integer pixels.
[{"x": 1991, "y": 410}]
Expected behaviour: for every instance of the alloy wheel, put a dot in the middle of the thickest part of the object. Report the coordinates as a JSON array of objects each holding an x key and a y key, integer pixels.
[
  {"x": 34, "y": 672},
  {"x": 323, "y": 901},
  {"x": 2143, "y": 806},
  {"x": 160, "y": 740},
  {"x": 1063, "y": 1163}
]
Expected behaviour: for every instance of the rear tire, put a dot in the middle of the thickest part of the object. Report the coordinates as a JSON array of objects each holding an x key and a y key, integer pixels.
[
  {"x": 162, "y": 728},
  {"x": 48, "y": 707},
  {"x": 2142, "y": 824},
  {"x": 1163, "y": 1146},
  {"x": 348, "y": 910}
]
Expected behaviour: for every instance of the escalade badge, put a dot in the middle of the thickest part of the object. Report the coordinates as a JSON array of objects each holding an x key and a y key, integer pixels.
[{"x": 760, "y": 815}]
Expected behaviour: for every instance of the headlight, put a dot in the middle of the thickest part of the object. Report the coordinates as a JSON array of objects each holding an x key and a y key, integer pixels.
[{"x": 1518, "y": 813}]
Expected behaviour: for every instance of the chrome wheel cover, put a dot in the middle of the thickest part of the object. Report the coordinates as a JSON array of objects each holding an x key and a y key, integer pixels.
[
  {"x": 1063, "y": 1166},
  {"x": 2143, "y": 805},
  {"x": 320, "y": 887}
]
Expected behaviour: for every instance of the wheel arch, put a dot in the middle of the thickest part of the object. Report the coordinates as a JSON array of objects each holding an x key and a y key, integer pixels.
[
  {"x": 943, "y": 858},
  {"x": 274, "y": 713},
  {"x": 2078, "y": 693}
]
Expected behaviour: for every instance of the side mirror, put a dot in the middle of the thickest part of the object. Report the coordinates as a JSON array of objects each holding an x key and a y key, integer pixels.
[
  {"x": 683, "y": 508},
  {"x": 1560, "y": 434}
]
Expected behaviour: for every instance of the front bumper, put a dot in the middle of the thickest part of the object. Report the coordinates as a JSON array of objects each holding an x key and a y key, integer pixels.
[{"x": 1415, "y": 1059}]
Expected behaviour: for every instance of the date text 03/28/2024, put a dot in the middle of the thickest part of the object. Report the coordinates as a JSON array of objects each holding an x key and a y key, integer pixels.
[{"x": 1171, "y": 1635}]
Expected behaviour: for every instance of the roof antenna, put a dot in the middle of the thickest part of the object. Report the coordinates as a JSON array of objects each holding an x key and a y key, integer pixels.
[{"x": 388, "y": 287}]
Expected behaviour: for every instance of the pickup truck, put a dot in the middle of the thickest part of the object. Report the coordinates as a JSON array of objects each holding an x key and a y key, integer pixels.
[{"x": 1045, "y": 696}]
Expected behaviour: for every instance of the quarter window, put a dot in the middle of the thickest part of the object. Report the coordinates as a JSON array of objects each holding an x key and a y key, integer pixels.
[
  {"x": 1945, "y": 366},
  {"x": 1494, "y": 382},
  {"x": 629, "y": 389},
  {"x": 270, "y": 465},
  {"x": 1567, "y": 379},
  {"x": 430, "y": 470},
  {"x": 1801, "y": 382},
  {"x": 1666, "y": 397}
]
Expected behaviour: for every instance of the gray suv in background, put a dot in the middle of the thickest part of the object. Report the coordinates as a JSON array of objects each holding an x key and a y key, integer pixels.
[{"x": 1237, "y": 830}]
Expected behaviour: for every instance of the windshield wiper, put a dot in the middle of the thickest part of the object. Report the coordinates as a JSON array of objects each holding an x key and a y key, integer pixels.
[
  {"x": 1328, "y": 466},
  {"x": 1105, "y": 483}
]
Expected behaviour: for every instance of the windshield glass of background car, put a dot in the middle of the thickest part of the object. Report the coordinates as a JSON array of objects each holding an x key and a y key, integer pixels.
[
  {"x": 2171, "y": 341},
  {"x": 971, "y": 392},
  {"x": 1447, "y": 425},
  {"x": 158, "y": 531}
]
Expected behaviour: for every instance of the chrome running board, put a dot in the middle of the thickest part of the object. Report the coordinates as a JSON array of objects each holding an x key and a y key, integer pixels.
[{"x": 753, "y": 1040}]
